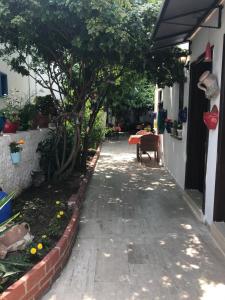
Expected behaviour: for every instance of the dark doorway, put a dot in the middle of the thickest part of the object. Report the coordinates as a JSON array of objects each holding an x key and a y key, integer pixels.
[
  {"x": 219, "y": 203},
  {"x": 197, "y": 137}
]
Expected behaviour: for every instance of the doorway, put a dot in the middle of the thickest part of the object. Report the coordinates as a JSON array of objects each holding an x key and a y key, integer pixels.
[
  {"x": 197, "y": 136},
  {"x": 219, "y": 203}
]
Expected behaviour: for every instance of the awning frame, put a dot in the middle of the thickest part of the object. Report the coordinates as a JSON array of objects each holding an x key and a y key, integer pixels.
[{"x": 187, "y": 33}]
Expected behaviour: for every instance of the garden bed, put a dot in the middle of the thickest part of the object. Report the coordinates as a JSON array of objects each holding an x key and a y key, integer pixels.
[{"x": 48, "y": 216}]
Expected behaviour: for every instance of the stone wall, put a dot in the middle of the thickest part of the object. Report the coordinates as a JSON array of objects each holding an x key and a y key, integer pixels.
[{"x": 17, "y": 177}]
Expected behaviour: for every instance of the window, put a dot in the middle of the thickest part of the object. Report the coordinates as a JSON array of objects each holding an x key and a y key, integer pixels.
[{"x": 3, "y": 84}]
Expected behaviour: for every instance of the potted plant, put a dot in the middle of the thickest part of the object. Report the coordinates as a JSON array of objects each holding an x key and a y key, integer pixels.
[
  {"x": 174, "y": 128},
  {"x": 179, "y": 130},
  {"x": 15, "y": 151},
  {"x": 169, "y": 124},
  {"x": 27, "y": 117},
  {"x": 46, "y": 109},
  {"x": 10, "y": 113}
]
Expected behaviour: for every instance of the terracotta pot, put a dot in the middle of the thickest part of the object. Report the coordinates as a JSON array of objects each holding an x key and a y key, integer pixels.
[
  {"x": 10, "y": 127},
  {"x": 42, "y": 121},
  {"x": 211, "y": 118}
]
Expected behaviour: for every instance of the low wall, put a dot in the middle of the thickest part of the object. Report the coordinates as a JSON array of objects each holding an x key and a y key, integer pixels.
[{"x": 17, "y": 177}]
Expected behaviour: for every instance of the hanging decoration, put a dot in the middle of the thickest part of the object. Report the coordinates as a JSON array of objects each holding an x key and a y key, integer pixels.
[
  {"x": 208, "y": 83},
  {"x": 208, "y": 53},
  {"x": 211, "y": 118}
]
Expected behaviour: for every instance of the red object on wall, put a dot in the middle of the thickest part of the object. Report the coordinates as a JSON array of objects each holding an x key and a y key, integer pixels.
[
  {"x": 10, "y": 127},
  {"x": 211, "y": 118},
  {"x": 208, "y": 53}
]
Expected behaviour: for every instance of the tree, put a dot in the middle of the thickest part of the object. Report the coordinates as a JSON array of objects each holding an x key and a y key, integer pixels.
[
  {"x": 131, "y": 92},
  {"x": 77, "y": 49}
]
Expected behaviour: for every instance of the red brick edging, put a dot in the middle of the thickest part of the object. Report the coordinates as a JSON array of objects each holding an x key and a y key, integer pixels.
[{"x": 39, "y": 279}]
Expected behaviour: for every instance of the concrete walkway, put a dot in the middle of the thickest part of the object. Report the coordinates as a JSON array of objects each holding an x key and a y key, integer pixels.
[{"x": 138, "y": 239}]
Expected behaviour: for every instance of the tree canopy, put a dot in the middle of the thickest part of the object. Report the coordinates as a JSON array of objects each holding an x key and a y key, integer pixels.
[{"x": 78, "y": 49}]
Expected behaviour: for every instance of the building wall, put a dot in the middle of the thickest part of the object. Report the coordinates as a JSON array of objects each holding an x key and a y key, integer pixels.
[
  {"x": 215, "y": 37},
  {"x": 17, "y": 177},
  {"x": 21, "y": 87},
  {"x": 175, "y": 150}
]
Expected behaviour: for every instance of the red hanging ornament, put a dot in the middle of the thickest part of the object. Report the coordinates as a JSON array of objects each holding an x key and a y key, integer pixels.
[{"x": 208, "y": 53}]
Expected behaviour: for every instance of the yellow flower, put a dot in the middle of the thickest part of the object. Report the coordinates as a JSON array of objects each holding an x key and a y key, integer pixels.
[
  {"x": 58, "y": 216},
  {"x": 44, "y": 236},
  {"x": 40, "y": 246},
  {"x": 61, "y": 212},
  {"x": 21, "y": 142},
  {"x": 57, "y": 202},
  {"x": 33, "y": 251}
]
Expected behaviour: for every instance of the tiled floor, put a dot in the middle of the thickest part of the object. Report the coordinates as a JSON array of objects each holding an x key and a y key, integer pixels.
[{"x": 138, "y": 239}]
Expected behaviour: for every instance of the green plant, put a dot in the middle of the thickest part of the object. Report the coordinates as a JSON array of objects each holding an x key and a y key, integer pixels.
[
  {"x": 26, "y": 115},
  {"x": 12, "y": 106},
  {"x": 46, "y": 105},
  {"x": 16, "y": 146}
]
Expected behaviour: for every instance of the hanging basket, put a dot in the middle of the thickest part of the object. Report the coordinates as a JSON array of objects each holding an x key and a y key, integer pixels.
[
  {"x": 211, "y": 118},
  {"x": 16, "y": 157}
]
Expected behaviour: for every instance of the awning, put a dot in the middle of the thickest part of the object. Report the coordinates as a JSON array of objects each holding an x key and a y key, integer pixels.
[{"x": 179, "y": 19}]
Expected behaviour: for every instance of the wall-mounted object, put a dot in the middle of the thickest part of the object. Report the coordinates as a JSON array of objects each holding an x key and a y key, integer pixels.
[
  {"x": 208, "y": 83},
  {"x": 208, "y": 53},
  {"x": 211, "y": 118},
  {"x": 182, "y": 116}
]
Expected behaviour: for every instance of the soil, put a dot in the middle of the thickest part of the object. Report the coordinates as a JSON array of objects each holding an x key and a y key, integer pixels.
[{"x": 39, "y": 207}]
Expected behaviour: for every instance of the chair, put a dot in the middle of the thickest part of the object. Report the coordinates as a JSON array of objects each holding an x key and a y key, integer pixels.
[
  {"x": 143, "y": 132},
  {"x": 149, "y": 143}
]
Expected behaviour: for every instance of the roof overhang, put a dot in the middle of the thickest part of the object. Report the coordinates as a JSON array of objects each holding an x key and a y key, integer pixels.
[{"x": 179, "y": 19}]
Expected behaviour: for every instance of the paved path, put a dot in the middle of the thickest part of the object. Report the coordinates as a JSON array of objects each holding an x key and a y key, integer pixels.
[{"x": 138, "y": 239}]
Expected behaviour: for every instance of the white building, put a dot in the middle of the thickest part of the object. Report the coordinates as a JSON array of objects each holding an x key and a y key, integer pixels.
[{"x": 197, "y": 162}]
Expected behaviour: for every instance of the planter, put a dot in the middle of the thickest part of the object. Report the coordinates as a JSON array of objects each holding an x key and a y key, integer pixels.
[
  {"x": 39, "y": 279},
  {"x": 179, "y": 133},
  {"x": 10, "y": 127},
  {"x": 16, "y": 157},
  {"x": 6, "y": 210},
  {"x": 211, "y": 118},
  {"x": 41, "y": 121},
  {"x": 2, "y": 123}
]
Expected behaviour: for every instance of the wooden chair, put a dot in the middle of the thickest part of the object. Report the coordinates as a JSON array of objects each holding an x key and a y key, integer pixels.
[
  {"x": 149, "y": 143},
  {"x": 143, "y": 132}
]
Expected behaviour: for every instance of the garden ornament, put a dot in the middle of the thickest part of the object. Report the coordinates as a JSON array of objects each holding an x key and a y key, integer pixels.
[
  {"x": 15, "y": 238},
  {"x": 208, "y": 83},
  {"x": 211, "y": 118}
]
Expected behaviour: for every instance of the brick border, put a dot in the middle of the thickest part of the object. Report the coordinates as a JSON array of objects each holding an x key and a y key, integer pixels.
[{"x": 40, "y": 278}]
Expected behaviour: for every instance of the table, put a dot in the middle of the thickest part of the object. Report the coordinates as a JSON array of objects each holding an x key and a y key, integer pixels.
[{"x": 135, "y": 140}]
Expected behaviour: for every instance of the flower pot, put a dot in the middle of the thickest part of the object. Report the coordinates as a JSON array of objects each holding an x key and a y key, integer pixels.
[
  {"x": 16, "y": 157},
  {"x": 6, "y": 210},
  {"x": 10, "y": 127},
  {"x": 42, "y": 120},
  {"x": 2, "y": 123},
  {"x": 211, "y": 118},
  {"x": 179, "y": 133}
]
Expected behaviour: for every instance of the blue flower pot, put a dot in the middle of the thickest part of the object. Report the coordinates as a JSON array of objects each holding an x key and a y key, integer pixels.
[
  {"x": 16, "y": 157},
  {"x": 2, "y": 123},
  {"x": 6, "y": 211}
]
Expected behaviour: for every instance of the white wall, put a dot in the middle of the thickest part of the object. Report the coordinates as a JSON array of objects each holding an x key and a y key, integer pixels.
[
  {"x": 175, "y": 150},
  {"x": 23, "y": 87},
  {"x": 215, "y": 37},
  {"x": 17, "y": 177}
]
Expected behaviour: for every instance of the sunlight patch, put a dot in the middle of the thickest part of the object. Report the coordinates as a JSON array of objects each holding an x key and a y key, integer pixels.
[
  {"x": 186, "y": 226},
  {"x": 212, "y": 290}
]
